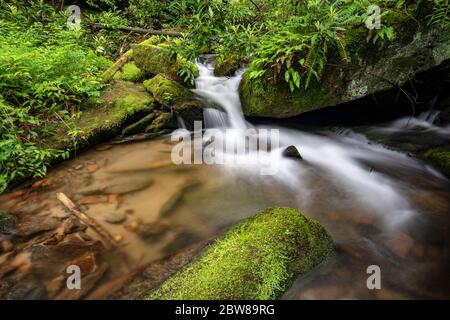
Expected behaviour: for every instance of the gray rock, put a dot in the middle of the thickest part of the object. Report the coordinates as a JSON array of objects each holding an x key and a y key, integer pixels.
[{"x": 116, "y": 217}]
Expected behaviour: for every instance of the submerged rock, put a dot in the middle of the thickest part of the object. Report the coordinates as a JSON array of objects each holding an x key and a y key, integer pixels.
[
  {"x": 257, "y": 259},
  {"x": 116, "y": 217},
  {"x": 7, "y": 222},
  {"x": 292, "y": 152}
]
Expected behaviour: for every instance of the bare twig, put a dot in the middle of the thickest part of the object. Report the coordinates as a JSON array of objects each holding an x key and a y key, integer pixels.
[{"x": 91, "y": 222}]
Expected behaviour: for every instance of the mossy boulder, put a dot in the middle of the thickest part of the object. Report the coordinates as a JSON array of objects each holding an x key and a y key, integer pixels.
[
  {"x": 374, "y": 69},
  {"x": 166, "y": 91},
  {"x": 130, "y": 72},
  {"x": 122, "y": 104},
  {"x": 139, "y": 126},
  {"x": 257, "y": 259},
  {"x": 153, "y": 60},
  {"x": 440, "y": 158},
  {"x": 164, "y": 121},
  {"x": 181, "y": 100},
  {"x": 226, "y": 66},
  {"x": 7, "y": 222}
]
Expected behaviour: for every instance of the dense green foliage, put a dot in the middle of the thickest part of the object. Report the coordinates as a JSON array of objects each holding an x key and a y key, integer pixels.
[
  {"x": 257, "y": 259},
  {"x": 46, "y": 71}
]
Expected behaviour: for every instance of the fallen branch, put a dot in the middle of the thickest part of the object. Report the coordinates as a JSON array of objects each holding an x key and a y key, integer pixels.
[
  {"x": 109, "y": 74},
  {"x": 97, "y": 26},
  {"x": 91, "y": 222}
]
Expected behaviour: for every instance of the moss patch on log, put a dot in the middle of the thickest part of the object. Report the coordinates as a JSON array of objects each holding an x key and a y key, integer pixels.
[{"x": 257, "y": 259}]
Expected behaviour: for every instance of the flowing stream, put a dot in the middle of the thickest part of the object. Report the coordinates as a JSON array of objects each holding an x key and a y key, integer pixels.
[{"x": 381, "y": 206}]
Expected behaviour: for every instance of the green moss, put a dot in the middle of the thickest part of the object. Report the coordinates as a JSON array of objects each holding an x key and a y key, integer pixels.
[
  {"x": 226, "y": 66},
  {"x": 166, "y": 91},
  {"x": 439, "y": 158},
  {"x": 153, "y": 60},
  {"x": 257, "y": 259},
  {"x": 129, "y": 72},
  {"x": 163, "y": 121},
  {"x": 139, "y": 126},
  {"x": 264, "y": 98},
  {"x": 122, "y": 103},
  {"x": 7, "y": 222}
]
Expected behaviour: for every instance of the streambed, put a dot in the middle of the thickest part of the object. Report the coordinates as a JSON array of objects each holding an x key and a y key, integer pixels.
[{"x": 381, "y": 206}]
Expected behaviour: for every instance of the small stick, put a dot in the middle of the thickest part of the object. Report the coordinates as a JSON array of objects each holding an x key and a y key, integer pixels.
[{"x": 91, "y": 222}]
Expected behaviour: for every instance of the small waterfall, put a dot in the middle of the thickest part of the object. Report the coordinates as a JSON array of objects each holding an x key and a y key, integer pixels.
[{"x": 346, "y": 160}]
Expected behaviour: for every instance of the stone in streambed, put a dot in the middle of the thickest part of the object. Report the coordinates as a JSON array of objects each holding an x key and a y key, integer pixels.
[
  {"x": 7, "y": 222},
  {"x": 152, "y": 232},
  {"x": 170, "y": 205},
  {"x": 292, "y": 152},
  {"x": 257, "y": 259},
  {"x": 116, "y": 217}
]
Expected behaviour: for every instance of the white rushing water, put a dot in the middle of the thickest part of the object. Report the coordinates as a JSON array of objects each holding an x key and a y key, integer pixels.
[{"x": 346, "y": 159}]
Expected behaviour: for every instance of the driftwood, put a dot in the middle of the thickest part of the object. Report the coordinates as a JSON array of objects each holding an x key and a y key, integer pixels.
[
  {"x": 91, "y": 222},
  {"x": 97, "y": 26}
]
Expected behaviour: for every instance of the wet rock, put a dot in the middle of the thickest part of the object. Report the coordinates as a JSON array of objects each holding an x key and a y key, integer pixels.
[
  {"x": 91, "y": 168},
  {"x": 7, "y": 222},
  {"x": 44, "y": 183},
  {"x": 152, "y": 232},
  {"x": 72, "y": 225},
  {"x": 171, "y": 204},
  {"x": 292, "y": 152},
  {"x": 165, "y": 120},
  {"x": 115, "y": 217},
  {"x": 6, "y": 246},
  {"x": 379, "y": 71},
  {"x": 34, "y": 225},
  {"x": 139, "y": 126},
  {"x": 88, "y": 200},
  {"x": 133, "y": 226},
  {"x": 119, "y": 185},
  {"x": 401, "y": 244},
  {"x": 28, "y": 289},
  {"x": 182, "y": 239}
]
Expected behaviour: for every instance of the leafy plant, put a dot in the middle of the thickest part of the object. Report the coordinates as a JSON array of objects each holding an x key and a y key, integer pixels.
[{"x": 440, "y": 18}]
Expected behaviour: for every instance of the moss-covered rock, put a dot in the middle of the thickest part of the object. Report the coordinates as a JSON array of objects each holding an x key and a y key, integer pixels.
[
  {"x": 439, "y": 158},
  {"x": 153, "y": 60},
  {"x": 123, "y": 103},
  {"x": 130, "y": 72},
  {"x": 257, "y": 259},
  {"x": 139, "y": 126},
  {"x": 7, "y": 222},
  {"x": 226, "y": 66},
  {"x": 374, "y": 69},
  {"x": 181, "y": 100},
  {"x": 266, "y": 99},
  {"x": 164, "y": 121},
  {"x": 166, "y": 91}
]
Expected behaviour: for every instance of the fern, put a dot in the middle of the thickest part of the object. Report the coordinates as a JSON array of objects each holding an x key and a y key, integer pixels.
[{"x": 440, "y": 19}]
